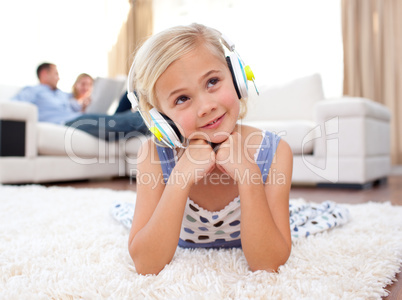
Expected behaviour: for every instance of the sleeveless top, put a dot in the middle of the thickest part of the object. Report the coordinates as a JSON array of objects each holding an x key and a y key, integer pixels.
[{"x": 218, "y": 229}]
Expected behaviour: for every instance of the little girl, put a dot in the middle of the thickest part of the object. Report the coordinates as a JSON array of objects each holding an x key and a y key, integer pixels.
[{"x": 217, "y": 191}]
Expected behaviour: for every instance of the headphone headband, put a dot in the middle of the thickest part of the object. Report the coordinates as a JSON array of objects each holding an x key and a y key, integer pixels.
[{"x": 227, "y": 42}]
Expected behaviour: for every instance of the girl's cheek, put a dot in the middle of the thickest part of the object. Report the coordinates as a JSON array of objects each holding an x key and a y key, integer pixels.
[
  {"x": 229, "y": 96},
  {"x": 185, "y": 123},
  {"x": 231, "y": 101}
]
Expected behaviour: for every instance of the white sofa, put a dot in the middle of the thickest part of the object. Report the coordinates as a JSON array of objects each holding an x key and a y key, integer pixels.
[
  {"x": 343, "y": 141},
  {"x": 34, "y": 152}
]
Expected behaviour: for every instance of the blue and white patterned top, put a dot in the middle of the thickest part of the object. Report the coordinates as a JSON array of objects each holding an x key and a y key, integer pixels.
[{"x": 220, "y": 229}]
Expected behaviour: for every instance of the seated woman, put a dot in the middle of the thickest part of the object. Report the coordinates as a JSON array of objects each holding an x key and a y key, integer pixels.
[{"x": 81, "y": 92}]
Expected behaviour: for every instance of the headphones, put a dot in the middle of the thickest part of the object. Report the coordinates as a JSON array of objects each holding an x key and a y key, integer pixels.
[{"x": 164, "y": 128}]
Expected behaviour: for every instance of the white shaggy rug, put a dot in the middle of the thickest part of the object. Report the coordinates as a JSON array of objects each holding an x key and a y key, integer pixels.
[{"x": 61, "y": 243}]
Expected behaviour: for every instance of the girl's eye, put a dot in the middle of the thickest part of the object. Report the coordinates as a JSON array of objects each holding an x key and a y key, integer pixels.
[
  {"x": 181, "y": 100},
  {"x": 212, "y": 82}
]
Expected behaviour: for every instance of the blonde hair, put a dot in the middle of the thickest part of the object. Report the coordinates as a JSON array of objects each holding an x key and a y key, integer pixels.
[
  {"x": 79, "y": 77},
  {"x": 164, "y": 48}
]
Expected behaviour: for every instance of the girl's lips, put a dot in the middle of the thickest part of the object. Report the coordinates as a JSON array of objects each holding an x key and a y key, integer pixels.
[{"x": 214, "y": 124}]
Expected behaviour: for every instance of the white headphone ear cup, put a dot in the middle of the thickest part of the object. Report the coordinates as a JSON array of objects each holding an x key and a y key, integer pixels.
[
  {"x": 168, "y": 133},
  {"x": 239, "y": 75}
]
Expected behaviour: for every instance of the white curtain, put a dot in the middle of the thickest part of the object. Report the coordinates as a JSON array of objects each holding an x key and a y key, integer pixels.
[
  {"x": 372, "y": 37},
  {"x": 133, "y": 32}
]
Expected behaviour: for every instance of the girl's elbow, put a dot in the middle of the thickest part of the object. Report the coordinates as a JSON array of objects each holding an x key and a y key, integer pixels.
[
  {"x": 144, "y": 270},
  {"x": 271, "y": 266},
  {"x": 282, "y": 260},
  {"x": 142, "y": 265}
]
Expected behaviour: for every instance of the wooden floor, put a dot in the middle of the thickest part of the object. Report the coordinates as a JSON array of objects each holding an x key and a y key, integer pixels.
[{"x": 389, "y": 191}]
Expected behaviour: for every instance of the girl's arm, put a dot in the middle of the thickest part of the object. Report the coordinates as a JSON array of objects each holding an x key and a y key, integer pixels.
[
  {"x": 265, "y": 229},
  {"x": 159, "y": 210}
]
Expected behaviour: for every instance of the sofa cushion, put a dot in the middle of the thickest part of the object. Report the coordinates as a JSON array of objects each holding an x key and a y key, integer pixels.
[
  {"x": 62, "y": 140},
  {"x": 292, "y": 101},
  {"x": 293, "y": 132}
]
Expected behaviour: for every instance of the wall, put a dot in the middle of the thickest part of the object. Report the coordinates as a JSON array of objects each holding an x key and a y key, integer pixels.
[
  {"x": 280, "y": 40},
  {"x": 76, "y": 35}
]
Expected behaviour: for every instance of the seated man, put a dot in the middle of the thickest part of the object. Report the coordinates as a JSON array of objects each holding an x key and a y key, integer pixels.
[{"x": 55, "y": 106}]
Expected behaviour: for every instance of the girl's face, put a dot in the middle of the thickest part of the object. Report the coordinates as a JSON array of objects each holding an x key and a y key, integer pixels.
[{"x": 198, "y": 94}]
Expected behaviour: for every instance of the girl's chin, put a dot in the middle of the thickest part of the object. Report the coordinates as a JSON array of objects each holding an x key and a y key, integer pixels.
[
  {"x": 220, "y": 139},
  {"x": 214, "y": 139}
]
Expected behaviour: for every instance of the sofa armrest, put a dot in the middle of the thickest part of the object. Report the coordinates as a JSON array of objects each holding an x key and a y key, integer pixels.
[
  {"x": 18, "y": 111},
  {"x": 13, "y": 115},
  {"x": 361, "y": 127}
]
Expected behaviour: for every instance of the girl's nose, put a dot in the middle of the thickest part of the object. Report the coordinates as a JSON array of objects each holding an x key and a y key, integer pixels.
[{"x": 206, "y": 105}]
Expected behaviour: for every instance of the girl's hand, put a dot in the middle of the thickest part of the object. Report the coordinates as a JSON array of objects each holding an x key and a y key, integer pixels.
[
  {"x": 197, "y": 161},
  {"x": 232, "y": 159}
]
